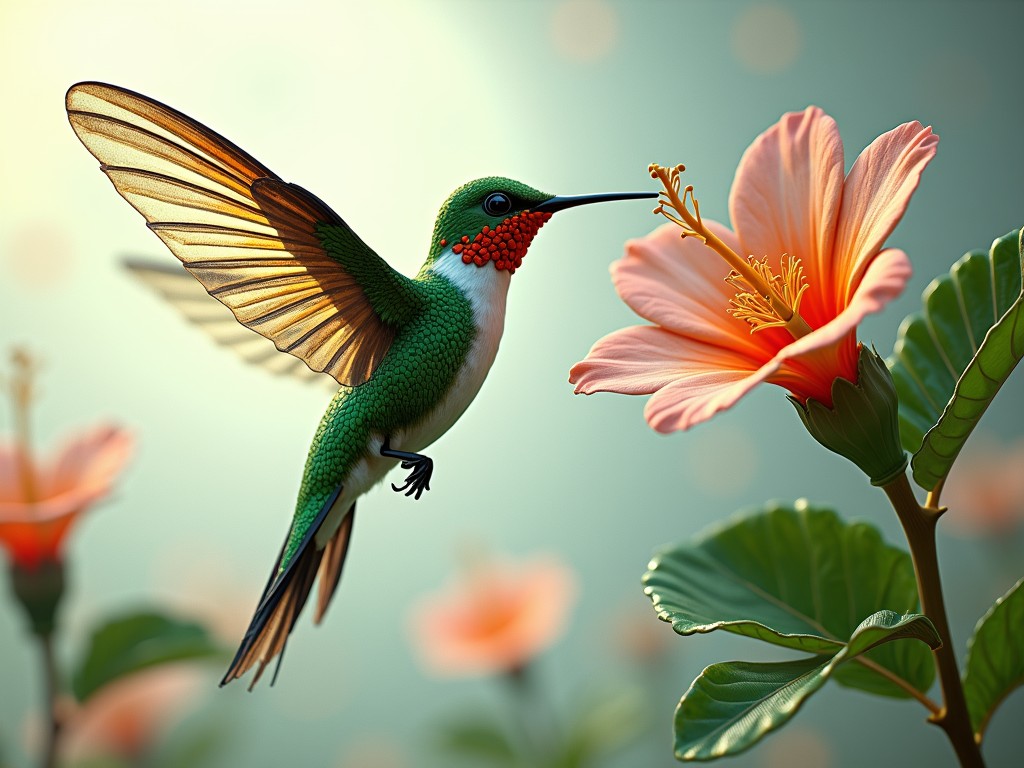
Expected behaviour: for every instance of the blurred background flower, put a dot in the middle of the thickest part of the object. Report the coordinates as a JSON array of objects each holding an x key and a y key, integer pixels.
[
  {"x": 35, "y": 518},
  {"x": 495, "y": 617},
  {"x": 39, "y": 501},
  {"x": 132, "y": 682},
  {"x": 985, "y": 489},
  {"x": 128, "y": 718}
]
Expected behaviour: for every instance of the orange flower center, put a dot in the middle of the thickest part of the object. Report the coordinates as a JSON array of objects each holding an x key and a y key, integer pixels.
[{"x": 763, "y": 299}]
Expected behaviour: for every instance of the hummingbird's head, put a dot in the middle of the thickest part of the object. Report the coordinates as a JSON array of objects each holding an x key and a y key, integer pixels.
[
  {"x": 489, "y": 221},
  {"x": 493, "y": 221}
]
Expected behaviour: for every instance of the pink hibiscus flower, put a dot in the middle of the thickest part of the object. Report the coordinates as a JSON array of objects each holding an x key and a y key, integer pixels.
[
  {"x": 32, "y": 529},
  {"x": 495, "y": 619},
  {"x": 39, "y": 501},
  {"x": 128, "y": 717},
  {"x": 786, "y": 312},
  {"x": 985, "y": 490}
]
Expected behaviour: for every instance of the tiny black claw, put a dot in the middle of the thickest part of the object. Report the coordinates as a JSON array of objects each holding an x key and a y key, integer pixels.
[{"x": 422, "y": 468}]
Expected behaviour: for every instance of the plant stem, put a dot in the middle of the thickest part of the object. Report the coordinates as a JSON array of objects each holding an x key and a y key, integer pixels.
[
  {"x": 919, "y": 527},
  {"x": 540, "y": 737},
  {"x": 51, "y": 692}
]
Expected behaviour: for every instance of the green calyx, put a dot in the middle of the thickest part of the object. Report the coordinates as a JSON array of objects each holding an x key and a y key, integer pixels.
[
  {"x": 39, "y": 590},
  {"x": 863, "y": 422}
]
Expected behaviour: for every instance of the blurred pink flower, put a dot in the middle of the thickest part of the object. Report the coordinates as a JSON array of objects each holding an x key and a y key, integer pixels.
[
  {"x": 787, "y": 313},
  {"x": 985, "y": 489},
  {"x": 128, "y": 717},
  {"x": 495, "y": 618},
  {"x": 40, "y": 502}
]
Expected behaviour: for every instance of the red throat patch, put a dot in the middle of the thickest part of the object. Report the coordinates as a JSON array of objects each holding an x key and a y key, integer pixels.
[{"x": 505, "y": 245}]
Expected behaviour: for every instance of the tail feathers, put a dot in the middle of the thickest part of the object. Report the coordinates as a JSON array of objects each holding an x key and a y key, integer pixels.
[
  {"x": 333, "y": 560},
  {"x": 270, "y": 639},
  {"x": 287, "y": 592}
]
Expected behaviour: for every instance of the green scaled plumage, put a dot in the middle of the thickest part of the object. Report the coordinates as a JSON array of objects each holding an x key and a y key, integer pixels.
[{"x": 418, "y": 370}]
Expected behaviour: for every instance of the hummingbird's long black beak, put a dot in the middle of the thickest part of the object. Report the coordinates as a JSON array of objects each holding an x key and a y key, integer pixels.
[{"x": 561, "y": 202}]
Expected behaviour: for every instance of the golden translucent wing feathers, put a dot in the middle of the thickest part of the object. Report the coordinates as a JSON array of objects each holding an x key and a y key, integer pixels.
[
  {"x": 189, "y": 297},
  {"x": 248, "y": 237}
]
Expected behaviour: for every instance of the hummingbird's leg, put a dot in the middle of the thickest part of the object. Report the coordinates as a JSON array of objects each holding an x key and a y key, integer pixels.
[{"x": 422, "y": 467}]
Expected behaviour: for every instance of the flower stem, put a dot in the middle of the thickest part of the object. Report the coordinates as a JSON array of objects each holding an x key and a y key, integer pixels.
[
  {"x": 538, "y": 729},
  {"x": 919, "y": 527},
  {"x": 51, "y": 692}
]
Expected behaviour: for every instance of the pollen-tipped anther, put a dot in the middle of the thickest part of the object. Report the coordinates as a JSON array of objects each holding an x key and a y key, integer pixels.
[{"x": 764, "y": 300}]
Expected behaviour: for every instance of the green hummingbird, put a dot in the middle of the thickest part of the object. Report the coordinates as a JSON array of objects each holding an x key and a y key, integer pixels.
[{"x": 409, "y": 354}]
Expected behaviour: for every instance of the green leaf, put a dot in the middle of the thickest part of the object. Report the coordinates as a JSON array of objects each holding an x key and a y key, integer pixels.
[
  {"x": 202, "y": 741},
  {"x": 604, "y": 723},
  {"x": 950, "y": 359},
  {"x": 995, "y": 658},
  {"x": 477, "y": 737},
  {"x": 134, "y": 642},
  {"x": 731, "y": 706},
  {"x": 796, "y": 576},
  {"x": 102, "y": 761}
]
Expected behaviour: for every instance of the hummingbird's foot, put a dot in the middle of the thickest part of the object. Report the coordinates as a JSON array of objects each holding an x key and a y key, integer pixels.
[{"x": 422, "y": 468}]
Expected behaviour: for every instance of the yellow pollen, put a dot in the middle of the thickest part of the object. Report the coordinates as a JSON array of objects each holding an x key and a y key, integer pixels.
[
  {"x": 753, "y": 308},
  {"x": 764, "y": 299}
]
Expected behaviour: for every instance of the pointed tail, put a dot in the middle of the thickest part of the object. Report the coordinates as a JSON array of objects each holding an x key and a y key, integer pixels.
[{"x": 286, "y": 593}]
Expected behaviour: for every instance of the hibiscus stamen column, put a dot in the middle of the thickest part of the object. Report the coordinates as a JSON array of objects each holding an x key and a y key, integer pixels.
[
  {"x": 21, "y": 391},
  {"x": 764, "y": 300}
]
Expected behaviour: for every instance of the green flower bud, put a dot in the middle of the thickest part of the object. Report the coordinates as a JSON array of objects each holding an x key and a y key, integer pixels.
[{"x": 863, "y": 422}]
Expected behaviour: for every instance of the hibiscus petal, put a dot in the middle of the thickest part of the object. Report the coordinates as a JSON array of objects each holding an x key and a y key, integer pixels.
[
  {"x": 91, "y": 461},
  {"x": 885, "y": 279},
  {"x": 12, "y": 485},
  {"x": 632, "y": 361},
  {"x": 785, "y": 198},
  {"x": 875, "y": 196},
  {"x": 809, "y": 365},
  {"x": 679, "y": 283},
  {"x": 708, "y": 386}
]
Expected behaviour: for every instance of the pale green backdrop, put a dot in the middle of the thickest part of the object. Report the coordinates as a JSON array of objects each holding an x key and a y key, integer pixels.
[{"x": 381, "y": 109}]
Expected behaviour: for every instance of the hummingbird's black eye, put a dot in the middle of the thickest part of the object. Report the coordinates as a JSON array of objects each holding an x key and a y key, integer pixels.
[{"x": 497, "y": 204}]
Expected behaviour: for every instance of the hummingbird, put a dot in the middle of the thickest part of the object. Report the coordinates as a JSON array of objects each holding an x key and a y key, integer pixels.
[{"x": 408, "y": 354}]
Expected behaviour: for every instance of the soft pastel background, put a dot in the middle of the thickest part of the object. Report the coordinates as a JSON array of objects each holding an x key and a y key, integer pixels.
[{"x": 381, "y": 109}]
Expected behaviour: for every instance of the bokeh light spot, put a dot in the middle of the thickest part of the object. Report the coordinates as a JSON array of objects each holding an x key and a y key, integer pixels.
[
  {"x": 766, "y": 38},
  {"x": 584, "y": 30},
  {"x": 38, "y": 255}
]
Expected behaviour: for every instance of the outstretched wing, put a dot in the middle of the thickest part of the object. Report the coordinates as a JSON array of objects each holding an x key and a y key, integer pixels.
[
  {"x": 256, "y": 243},
  {"x": 186, "y": 294}
]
